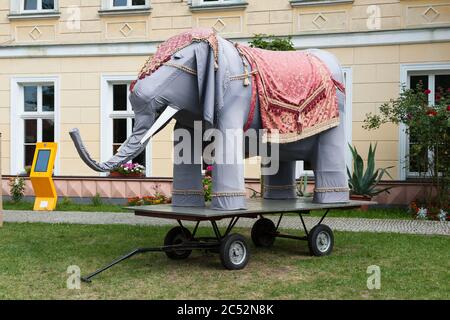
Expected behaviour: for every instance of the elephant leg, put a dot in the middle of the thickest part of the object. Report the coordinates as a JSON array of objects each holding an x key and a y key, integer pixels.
[
  {"x": 331, "y": 182},
  {"x": 187, "y": 173},
  {"x": 228, "y": 185},
  {"x": 282, "y": 184}
]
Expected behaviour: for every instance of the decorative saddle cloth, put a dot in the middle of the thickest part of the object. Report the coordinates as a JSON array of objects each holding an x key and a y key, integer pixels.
[
  {"x": 296, "y": 91},
  {"x": 173, "y": 45}
]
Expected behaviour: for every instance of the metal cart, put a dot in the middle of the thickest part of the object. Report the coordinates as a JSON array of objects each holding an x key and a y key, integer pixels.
[{"x": 233, "y": 248}]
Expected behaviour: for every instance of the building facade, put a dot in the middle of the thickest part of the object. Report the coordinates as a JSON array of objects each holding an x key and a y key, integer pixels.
[{"x": 69, "y": 63}]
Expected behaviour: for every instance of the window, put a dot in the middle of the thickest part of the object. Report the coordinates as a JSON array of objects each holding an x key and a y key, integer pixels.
[
  {"x": 38, "y": 5},
  {"x": 118, "y": 118},
  {"x": 34, "y": 114},
  {"x": 435, "y": 81},
  {"x": 128, "y": 4},
  {"x": 212, "y": 4}
]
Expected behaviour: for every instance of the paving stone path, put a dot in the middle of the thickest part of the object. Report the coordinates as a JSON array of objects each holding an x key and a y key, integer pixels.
[{"x": 288, "y": 222}]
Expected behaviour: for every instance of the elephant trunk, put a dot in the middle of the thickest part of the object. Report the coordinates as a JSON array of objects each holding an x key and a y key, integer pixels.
[{"x": 144, "y": 127}]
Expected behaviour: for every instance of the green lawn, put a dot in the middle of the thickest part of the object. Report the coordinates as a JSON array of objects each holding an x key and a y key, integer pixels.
[
  {"x": 106, "y": 207},
  {"x": 61, "y": 206},
  {"x": 34, "y": 259}
]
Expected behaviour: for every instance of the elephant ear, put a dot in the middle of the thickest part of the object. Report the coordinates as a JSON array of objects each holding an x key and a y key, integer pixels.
[{"x": 209, "y": 92}]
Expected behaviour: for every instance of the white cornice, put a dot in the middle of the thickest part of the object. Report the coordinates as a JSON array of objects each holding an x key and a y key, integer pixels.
[{"x": 330, "y": 40}]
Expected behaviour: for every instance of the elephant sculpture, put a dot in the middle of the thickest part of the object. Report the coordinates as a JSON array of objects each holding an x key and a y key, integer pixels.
[{"x": 202, "y": 77}]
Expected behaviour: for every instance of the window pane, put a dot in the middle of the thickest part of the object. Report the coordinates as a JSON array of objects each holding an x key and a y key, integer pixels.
[
  {"x": 30, "y": 98},
  {"x": 48, "y": 4},
  {"x": 416, "y": 80},
  {"x": 138, "y": 3},
  {"x": 29, "y": 154},
  {"x": 441, "y": 85},
  {"x": 48, "y": 98},
  {"x": 120, "y": 97},
  {"x": 141, "y": 157},
  {"x": 418, "y": 157},
  {"x": 48, "y": 130},
  {"x": 119, "y": 3},
  {"x": 119, "y": 130},
  {"x": 30, "y": 4},
  {"x": 30, "y": 127}
]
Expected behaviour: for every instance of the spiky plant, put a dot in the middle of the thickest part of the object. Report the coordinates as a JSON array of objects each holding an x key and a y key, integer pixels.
[{"x": 364, "y": 182}]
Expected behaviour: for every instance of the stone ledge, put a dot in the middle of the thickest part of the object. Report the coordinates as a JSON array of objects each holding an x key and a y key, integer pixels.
[
  {"x": 220, "y": 6},
  {"x": 300, "y": 3},
  {"x": 124, "y": 12},
  {"x": 34, "y": 15}
]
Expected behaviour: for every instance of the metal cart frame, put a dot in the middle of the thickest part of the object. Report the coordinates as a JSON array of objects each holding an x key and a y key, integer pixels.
[{"x": 233, "y": 248}]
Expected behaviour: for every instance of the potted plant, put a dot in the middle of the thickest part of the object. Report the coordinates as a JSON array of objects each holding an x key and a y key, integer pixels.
[
  {"x": 362, "y": 182},
  {"x": 128, "y": 170}
]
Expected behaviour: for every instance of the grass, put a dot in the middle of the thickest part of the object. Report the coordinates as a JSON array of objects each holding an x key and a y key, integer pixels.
[
  {"x": 34, "y": 259},
  {"x": 394, "y": 213},
  {"x": 68, "y": 206}
]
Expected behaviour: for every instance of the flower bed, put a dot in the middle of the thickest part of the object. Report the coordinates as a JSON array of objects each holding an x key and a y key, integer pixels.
[
  {"x": 128, "y": 170},
  {"x": 423, "y": 212}
]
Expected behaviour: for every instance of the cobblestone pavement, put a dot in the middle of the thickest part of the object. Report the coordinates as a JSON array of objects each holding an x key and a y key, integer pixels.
[{"x": 288, "y": 222}]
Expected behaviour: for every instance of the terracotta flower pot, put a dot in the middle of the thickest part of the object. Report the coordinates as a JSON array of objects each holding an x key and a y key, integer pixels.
[
  {"x": 360, "y": 197},
  {"x": 116, "y": 174}
]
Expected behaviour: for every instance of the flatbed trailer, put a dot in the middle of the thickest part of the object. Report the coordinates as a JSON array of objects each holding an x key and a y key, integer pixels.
[{"x": 233, "y": 248}]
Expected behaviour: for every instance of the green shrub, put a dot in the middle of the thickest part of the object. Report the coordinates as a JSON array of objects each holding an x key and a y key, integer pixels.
[
  {"x": 17, "y": 188},
  {"x": 270, "y": 42},
  {"x": 97, "y": 200}
]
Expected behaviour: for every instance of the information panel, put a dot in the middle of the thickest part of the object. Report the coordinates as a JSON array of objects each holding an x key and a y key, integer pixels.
[{"x": 41, "y": 176}]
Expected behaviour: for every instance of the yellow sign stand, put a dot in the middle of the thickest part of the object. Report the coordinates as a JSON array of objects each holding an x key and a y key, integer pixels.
[{"x": 41, "y": 176}]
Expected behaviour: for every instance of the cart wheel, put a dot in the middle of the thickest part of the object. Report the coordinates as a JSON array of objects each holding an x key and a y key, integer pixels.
[
  {"x": 234, "y": 252},
  {"x": 320, "y": 240},
  {"x": 177, "y": 235},
  {"x": 263, "y": 233}
]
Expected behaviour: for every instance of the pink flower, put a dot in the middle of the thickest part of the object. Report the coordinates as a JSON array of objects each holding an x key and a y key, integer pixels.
[
  {"x": 428, "y": 91},
  {"x": 209, "y": 168}
]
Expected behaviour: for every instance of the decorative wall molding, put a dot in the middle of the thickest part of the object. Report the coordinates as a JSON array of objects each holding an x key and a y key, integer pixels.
[{"x": 144, "y": 48}]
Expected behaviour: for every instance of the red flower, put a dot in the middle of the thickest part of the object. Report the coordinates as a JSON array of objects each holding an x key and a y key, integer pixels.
[
  {"x": 448, "y": 108},
  {"x": 438, "y": 97},
  {"x": 431, "y": 113},
  {"x": 428, "y": 91}
]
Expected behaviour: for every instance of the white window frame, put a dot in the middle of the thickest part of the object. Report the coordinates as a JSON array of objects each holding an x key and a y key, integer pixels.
[
  {"x": 347, "y": 118},
  {"x": 39, "y": 7},
  {"x": 406, "y": 70},
  {"x": 107, "y": 116},
  {"x": 214, "y": 2},
  {"x": 128, "y": 6},
  {"x": 18, "y": 115}
]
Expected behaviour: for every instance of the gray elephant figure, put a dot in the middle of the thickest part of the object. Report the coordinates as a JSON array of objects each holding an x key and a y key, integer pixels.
[{"x": 201, "y": 82}]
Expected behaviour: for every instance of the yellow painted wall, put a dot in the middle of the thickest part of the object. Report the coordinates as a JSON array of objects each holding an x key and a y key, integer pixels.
[
  {"x": 169, "y": 17},
  {"x": 376, "y": 70}
]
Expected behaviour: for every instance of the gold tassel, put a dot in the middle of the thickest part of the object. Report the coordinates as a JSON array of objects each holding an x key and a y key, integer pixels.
[{"x": 246, "y": 81}]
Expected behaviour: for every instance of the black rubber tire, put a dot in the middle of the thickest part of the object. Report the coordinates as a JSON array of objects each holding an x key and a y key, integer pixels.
[
  {"x": 263, "y": 233},
  {"x": 322, "y": 231},
  {"x": 228, "y": 245},
  {"x": 177, "y": 235}
]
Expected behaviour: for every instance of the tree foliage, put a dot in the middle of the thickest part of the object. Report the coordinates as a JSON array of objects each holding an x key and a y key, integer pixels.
[{"x": 429, "y": 127}]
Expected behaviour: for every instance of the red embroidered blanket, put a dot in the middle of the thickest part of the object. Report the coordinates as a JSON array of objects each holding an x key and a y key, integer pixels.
[
  {"x": 297, "y": 95},
  {"x": 174, "y": 44}
]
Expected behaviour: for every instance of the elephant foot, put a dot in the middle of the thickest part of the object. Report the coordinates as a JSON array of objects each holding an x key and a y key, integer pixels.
[
  {"x": 229, "y": 200},
  {"x": 331, "y": 195},
  {"x": 331, "y": 187},
  {"x": 280, "y": 192},
  {"x": 188, "y": 198}
]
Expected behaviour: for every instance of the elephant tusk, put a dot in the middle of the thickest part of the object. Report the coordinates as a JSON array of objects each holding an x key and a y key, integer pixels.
[{"x": 168, "y": 113}]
